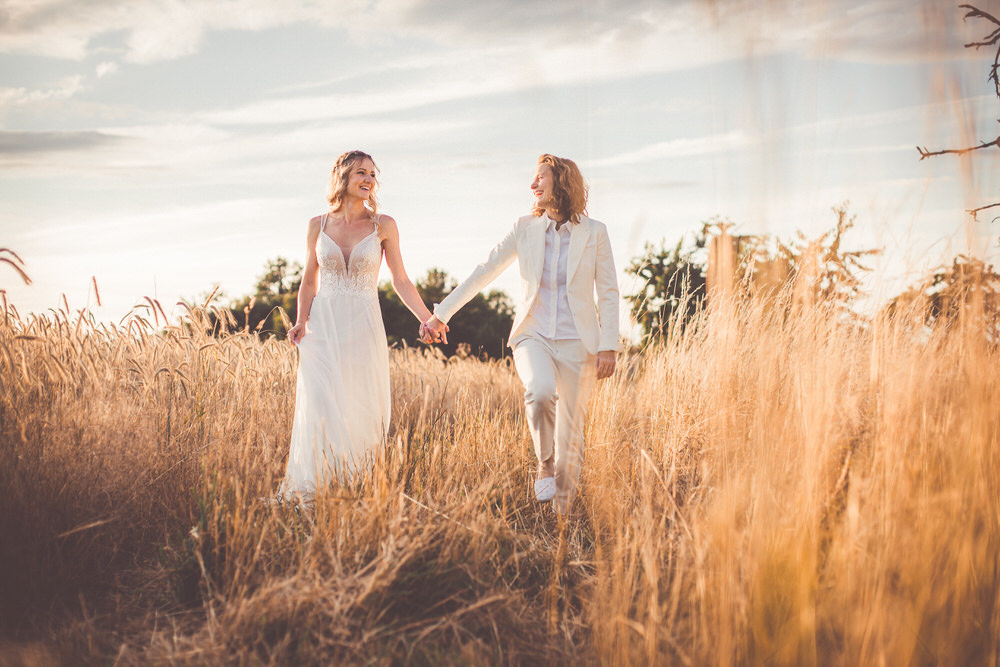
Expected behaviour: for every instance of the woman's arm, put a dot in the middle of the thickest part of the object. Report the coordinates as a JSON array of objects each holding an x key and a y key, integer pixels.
[
  {"x": 309, "y": 285},
  {"x": 389, "y": 234},
  {"x": 606, "y": 287},
  {"x": 502, "y": 256}
]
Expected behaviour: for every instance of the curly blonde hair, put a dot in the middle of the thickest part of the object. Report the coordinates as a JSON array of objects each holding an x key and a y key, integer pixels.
[
  {"x": 570, "y": 190},
  {"x": 341, "y": 175}
]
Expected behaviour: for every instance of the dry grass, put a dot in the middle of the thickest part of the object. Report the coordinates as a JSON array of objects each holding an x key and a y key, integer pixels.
[{"x": 762, "y": 489}]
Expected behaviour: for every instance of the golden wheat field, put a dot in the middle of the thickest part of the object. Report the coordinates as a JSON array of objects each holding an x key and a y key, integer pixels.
[{"x": 764, "y": 487}]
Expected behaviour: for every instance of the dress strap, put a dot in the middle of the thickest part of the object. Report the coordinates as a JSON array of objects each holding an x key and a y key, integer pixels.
[{"x": 322, "y": 225}]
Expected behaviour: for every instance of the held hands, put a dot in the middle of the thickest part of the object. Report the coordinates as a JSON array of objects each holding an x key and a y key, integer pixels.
[
  {"x": 434, "y": 331},
  {"x": 605, "y": 364}
]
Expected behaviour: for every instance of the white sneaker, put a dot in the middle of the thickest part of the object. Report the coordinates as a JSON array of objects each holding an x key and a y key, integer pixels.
[{"x": 545, "y": 489}]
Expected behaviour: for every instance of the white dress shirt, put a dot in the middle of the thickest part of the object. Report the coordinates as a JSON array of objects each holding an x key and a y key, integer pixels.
[{"x": 550, "y": 316}]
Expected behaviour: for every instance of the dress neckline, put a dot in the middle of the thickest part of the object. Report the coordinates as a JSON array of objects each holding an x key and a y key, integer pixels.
[{"x": 347, "y": 257}]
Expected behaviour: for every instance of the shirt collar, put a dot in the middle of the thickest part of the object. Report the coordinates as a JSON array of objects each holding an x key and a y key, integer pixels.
[{"x": 551, "y": 224}]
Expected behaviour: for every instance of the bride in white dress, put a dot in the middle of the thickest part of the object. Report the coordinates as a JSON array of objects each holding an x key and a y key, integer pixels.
[{"x": 342, "y": 401}]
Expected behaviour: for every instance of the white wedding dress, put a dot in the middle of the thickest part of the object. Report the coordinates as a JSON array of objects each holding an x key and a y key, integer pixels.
[{"x": 342, "y": 391}]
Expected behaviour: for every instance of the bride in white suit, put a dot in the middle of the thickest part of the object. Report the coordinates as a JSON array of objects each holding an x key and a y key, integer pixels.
[{"x": 562, "y": 338}]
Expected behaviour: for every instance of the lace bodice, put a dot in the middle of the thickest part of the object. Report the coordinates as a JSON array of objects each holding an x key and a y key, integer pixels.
[{"x": 359, "y": 276}]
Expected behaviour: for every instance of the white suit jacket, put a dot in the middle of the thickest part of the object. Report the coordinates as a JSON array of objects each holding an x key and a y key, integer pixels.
[{"x": 590, "y": 269}]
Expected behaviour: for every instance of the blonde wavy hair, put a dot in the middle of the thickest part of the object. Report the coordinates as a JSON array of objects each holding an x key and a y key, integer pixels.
[
  {"x": 341, "y": 175},
  {"x": 570, "y": 190}
]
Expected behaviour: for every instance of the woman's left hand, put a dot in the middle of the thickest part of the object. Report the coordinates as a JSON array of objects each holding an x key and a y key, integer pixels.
[
  {"x": 435, "y": 331},
  {"x": 424, "y": 334}
]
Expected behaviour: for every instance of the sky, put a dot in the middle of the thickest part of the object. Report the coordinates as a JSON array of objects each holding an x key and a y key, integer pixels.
[{"x": 164, "y": 147}]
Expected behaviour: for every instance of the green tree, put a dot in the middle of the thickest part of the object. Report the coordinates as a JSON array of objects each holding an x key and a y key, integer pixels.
[
  {"x": 280, "y": 277},
  {"x": 966, "y": 290},
  {"x": 480, "y": 328},
  {"x": 674, "y": 278},
  {"x": 275, "y": 296},
  {"x": 673, "y": 284}
]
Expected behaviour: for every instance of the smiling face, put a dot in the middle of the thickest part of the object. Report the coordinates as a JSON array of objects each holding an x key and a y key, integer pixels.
[
  {"x": 362, "y": 180},
  {"x": 354, "y": 178},
  {"x": 544, "y": 188},
  {"x": 560, "y": 192}
]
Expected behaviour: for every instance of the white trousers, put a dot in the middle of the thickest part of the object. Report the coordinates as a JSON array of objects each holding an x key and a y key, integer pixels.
[{"x": 558, "y": 377}]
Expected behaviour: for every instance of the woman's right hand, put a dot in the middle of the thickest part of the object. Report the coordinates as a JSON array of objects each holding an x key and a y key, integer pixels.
[{"x": 296, "y": 333}]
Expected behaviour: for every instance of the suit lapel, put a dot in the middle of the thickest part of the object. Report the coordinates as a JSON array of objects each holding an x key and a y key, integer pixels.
[{"x": 579, "y": 234}]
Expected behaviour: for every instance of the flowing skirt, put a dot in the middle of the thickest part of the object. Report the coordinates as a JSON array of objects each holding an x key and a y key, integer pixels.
[{"x": 342, "y": 402}]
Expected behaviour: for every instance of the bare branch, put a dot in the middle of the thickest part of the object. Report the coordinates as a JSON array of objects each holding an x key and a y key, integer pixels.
[
  {"x": 974, "y": 211},
  {"x": 989, "y": 40},
  {"x": 975, "y": 12},
  {"x": 924, "y": 153}
]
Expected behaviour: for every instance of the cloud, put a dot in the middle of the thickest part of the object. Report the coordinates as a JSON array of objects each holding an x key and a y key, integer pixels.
[
  {"x": 869, "y": 30},
  {"x": 155, "y": 29},
  {"x": 62, "y": 90},
  {"x": 195, "y": 153},
  {"x": 554, "y": 21},
  {"x": 319, "y": 107},
  {"x": 890, "y": 31},
  {"x": 674, "y": 148},
  {"x": 186, "y": 222},
  {"x": 34, "y": 143},
  {"x": 626, "y": 30},
  {"x": 458, "y": 71},
  {"x": 106, "y": 68},
  {"x": 168, "y": 31}
]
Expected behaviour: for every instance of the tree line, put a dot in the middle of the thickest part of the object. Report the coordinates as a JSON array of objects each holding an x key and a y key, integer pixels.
[
  {"x": 672, "y": 286},
  {"x": 479, "y": 329}
]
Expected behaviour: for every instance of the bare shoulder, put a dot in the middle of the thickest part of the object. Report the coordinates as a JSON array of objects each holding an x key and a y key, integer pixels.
[
  {"x": 314, "y": 225},
  {"x": 387, "y": 227}
]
